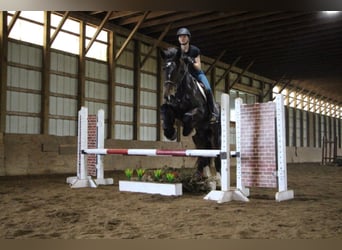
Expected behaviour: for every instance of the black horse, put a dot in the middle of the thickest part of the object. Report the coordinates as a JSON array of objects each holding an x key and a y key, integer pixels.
[{"x": 185, "y": 101}]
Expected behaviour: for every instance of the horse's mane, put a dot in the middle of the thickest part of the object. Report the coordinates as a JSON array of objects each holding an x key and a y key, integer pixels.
[{"x": 171, "y": 52}]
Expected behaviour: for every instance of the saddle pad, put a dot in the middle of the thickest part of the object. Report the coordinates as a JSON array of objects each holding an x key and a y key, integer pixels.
[{"x": 201, "y": 88}]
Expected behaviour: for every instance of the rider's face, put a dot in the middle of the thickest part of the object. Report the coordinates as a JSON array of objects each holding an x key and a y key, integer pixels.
[{"x": 183, "y": 39}]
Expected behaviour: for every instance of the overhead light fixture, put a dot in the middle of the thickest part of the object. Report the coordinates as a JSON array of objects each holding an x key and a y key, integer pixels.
[{"x": 330, "y": 13}]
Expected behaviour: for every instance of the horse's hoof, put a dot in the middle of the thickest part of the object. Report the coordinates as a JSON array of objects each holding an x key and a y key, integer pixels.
[
  {"x": 197, "y": 176},
  {"x": 218, "y": 179},
  {"x": 174, "y": 136},
  {"x": 186, "y": 130},
  {"x": 170, "y": 136},
  {"x": 206, "y": 171},
  {"x": 211, "y": 185}
]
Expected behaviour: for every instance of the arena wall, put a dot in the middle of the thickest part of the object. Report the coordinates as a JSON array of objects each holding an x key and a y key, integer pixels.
[{"x": 46, "y": 154}]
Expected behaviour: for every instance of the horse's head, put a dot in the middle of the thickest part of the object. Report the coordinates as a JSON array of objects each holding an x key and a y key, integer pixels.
[{"x": 172, "y": 62}]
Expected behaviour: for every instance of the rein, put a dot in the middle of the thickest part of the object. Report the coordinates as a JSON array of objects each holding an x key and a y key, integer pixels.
[{"x": 166, "y": 82}]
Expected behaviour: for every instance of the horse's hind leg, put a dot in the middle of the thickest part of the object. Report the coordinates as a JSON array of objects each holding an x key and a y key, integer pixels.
[
  {"x": 168, "y": 118},
  {"x": 218, "y": 171},
  {"x": 203, "y": 169},
  {"x": 201, "y": 142},
  {"x": 187, "y": 124},
  {"x": 215, "y": 141}
]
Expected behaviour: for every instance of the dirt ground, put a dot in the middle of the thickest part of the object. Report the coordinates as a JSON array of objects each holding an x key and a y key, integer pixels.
[{"x": 45, "y": 207}]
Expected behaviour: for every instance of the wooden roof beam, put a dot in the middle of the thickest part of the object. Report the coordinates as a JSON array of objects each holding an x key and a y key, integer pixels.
[
  {"x": 232, "y": 21},
  {"x": 228, "y": 70},
  {"x": 240, "y": 75},
  {"x": 156, "y": 43},
  {"x": 123, "y": 14},
  {"x": 330, "y": 49},
  {"x": 273, "y": 22},
  {"x": 59, "y": 27},
  {"x": 273, "y": 85},
  {"x": 276, "y": 36},
  {"x": 216, "y": 61},
  {"x": 152, "y": 15},
  {"x": 99, "y": 28},
  {"x": 284, "y": 86},
  {"x": 124, "y": 45},
  {"x": 13, "y": 20},
  {"x": 179, "y": 16}
]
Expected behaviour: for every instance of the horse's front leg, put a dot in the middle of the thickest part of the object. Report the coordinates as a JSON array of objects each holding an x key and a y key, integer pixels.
[
  {"x": 191, "y": 120},
  {"x": 203, "y": 163},
  {"x": 168, "y": 118}
]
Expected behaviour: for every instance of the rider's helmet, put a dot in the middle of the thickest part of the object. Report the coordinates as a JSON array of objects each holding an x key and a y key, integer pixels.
[{"x": 183, "y": 31}]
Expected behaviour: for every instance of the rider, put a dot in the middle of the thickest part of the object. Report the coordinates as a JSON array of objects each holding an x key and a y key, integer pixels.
[{"x": 191, "y": 55}]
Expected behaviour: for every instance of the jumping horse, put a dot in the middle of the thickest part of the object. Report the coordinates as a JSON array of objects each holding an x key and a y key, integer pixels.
[{"x": 185, "y": 102}]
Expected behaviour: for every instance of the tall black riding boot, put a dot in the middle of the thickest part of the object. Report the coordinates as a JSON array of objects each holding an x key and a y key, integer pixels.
[{"x": 214, "y": 116}]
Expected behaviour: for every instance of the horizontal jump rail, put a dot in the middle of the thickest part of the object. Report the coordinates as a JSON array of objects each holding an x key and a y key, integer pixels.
[{"x": 159, "y": 152}]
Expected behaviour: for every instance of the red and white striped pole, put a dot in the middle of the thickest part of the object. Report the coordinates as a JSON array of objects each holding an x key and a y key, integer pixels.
[{"x": 158, "y": 152}]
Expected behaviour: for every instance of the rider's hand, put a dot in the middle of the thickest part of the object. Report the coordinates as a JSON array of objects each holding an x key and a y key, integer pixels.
[{"x": 189, "y": 60}]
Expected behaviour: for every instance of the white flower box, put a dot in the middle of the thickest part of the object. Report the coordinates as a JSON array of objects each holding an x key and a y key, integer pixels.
[{"x": 151, "y": 187}]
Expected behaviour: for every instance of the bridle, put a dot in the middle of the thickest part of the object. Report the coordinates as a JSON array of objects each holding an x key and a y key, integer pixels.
[{"x": 168, "y": 76}]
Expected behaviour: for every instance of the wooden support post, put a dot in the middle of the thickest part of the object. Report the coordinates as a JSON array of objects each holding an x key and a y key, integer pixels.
[
  {"x": 3, "y": 69},
  {"x": 81, "y": 67},
  {"x": 137, "y": 87},
  {"x": 111, "y": 85},
  {"x": 45, "y": 98}
]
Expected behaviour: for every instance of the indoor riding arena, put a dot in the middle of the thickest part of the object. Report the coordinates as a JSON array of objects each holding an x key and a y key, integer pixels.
[{"x": 84, "y": 150}]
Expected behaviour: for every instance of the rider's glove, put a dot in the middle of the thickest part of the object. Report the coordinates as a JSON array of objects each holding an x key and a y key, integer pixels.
[{"x": 189, "y": 60}]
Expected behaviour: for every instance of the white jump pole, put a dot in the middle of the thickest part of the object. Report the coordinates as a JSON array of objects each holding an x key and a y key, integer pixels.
[
  {"x": 238, "y": 103},
  {"x": 283, "y": 193},
  {"x": 100, "y": 127},
  {"x": 226, "y": 193},
  {"x": 157, "y": 152}
]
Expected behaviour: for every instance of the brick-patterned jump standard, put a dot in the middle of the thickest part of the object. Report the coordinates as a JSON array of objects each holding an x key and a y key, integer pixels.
[
  {"x": 90, "y": 133},
  {"x": 92, "y": 143},
  {"x": 260, "y": 130}
]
